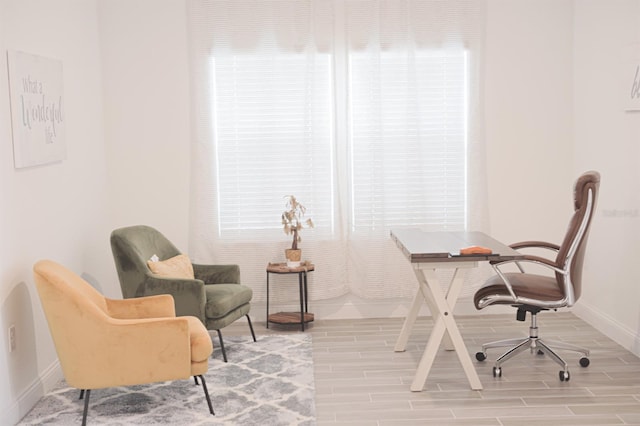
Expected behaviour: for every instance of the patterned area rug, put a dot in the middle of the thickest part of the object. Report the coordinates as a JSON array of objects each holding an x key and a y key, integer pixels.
[{"x": 269, "y": 382}]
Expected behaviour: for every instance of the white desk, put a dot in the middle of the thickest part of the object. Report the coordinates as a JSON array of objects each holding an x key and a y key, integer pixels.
[{"x": 428, "y": 252}]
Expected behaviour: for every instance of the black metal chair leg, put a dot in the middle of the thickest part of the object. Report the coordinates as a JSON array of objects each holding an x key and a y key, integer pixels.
[
  {"x": 86, "y": 408},
  {"x": 81, "y": 393},
  {"x": 224, "y": 353},
  {"x": 251, "y": 328},
  {"x": 206, "y": 394},
  {"x": 195, "y": 378}
]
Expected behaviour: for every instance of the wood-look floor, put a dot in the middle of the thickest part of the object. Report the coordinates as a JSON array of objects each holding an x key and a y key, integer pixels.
[{"x": 360, "y": 380}]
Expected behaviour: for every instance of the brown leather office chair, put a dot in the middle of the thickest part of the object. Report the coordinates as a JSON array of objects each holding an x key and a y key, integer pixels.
[{"x": 532, "y": 293}]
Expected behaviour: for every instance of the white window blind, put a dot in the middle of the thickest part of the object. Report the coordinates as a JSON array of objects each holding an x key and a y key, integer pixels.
[
  {"x": 408, "y": 138},
  {"x": 368, "y": 111},
  {"x": 273, "y": 137}
]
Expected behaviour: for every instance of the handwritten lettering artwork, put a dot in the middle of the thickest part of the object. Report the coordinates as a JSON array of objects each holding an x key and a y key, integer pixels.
[
  {"x": 37, "y": 109},
  {"x": 632, "y": 78},
  {"x": 635, "y": 86}
]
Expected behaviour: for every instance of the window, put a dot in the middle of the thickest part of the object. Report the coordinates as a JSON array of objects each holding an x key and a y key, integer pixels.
[
  {"x": 408, "y": 140},
  {"x": 368, "y": 111},
  {"x": 272, "y": 138},
  {"x": 273, "y": 132}
]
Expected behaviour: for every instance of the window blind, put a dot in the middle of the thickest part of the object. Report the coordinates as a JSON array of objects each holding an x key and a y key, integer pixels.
[
  {"x": 368, "y": 111},
  {"x": 273, "y": 137},
  {"x": 408, "y": 138}
]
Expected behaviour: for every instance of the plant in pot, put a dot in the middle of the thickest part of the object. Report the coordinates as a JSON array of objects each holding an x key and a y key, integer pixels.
[{"x": 293, "y": 222}]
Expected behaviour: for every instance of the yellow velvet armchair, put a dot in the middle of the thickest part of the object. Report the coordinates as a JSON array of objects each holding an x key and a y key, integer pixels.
[{"x": 104, "y": 342}]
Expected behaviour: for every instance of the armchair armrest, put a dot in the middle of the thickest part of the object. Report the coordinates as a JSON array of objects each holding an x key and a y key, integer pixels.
[
  {"x": 189, "y": 296},
  {"x": 156, "y": 350},
  {"x": 217, "y": 274},
  {"x": 158, "y": 306}
]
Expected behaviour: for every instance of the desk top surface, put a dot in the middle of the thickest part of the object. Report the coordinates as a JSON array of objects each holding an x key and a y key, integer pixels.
[{"x": 422, "y": 246}]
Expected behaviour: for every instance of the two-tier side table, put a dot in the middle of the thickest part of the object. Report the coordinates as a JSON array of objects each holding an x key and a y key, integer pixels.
[{"x": 303, "y": 316}]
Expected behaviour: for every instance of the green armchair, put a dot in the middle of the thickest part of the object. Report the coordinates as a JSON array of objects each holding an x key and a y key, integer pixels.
[{"x": 212, "y": 293}]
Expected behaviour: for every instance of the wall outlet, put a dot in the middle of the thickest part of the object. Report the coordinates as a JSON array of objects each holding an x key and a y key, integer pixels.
[{"x": 12, "y": 338}]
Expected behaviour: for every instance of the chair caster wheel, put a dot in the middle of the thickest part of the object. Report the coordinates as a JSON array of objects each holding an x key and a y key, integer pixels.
[
  {"x": 497, "y": 372},
  {"x": 584, "y": 362},
  {"x": 564, "y": 376},
  {"x": 481, "y": 356}
]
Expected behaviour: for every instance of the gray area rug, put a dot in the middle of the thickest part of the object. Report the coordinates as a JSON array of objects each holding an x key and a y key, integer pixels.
[{"x": 269, "y": 382}]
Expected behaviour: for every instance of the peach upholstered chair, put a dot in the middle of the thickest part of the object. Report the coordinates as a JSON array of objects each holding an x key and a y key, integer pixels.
[{"x": 105, "y": 342}]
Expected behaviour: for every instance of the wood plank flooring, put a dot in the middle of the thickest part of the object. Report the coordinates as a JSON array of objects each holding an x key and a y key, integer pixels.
[{"x": 361, "y": 381}]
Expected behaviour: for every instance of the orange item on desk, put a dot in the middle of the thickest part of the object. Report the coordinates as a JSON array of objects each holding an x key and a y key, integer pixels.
[{"x": 475, "y": 250}]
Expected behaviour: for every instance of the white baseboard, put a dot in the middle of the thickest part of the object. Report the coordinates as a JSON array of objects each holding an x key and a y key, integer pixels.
[
  {"x": 619, "y": 333},
  {"x": 25, "y": 402},
  {"x": 352, "y": 307}
]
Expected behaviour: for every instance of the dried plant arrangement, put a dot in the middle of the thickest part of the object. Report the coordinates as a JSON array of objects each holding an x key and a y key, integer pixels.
[{"x": 293, "y": 220}]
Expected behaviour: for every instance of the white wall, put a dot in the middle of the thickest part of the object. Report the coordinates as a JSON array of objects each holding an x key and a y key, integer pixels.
[
  {"x": 146, "y": 103},
  {"x": 554, "y": 103},
  {"x": 137, "y": 51},
  {"x": 55, "y": 211},
  {"x": 529, "y": 122},
  {"x": 550, "y": 114},
  {"x": 607, "y": 139}
]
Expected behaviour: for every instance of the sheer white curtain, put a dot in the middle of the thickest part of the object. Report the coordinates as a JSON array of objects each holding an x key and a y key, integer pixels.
[
  {"x": 264, "y": 128},
  {"x": 367, "y": 111},
  {"x": 416, "y": 136}
]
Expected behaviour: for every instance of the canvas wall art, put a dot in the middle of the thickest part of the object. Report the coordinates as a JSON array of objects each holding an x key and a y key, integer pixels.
[
  {"x": 632, "y": 78},
  {"x": 37, "y": 109}
]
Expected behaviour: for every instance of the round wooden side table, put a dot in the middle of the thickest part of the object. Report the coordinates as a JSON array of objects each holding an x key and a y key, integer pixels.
[{"x": 303, "y": 316}]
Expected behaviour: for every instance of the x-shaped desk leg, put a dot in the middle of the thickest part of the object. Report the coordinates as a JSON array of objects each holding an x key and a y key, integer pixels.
[{"x": 441, "y": 306}]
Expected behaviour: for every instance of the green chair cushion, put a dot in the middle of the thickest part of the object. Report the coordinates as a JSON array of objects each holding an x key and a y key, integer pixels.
[{"x": 224, "y": 298}]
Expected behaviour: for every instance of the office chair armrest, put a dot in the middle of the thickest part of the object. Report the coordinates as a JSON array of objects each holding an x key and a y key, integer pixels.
[
  {"x": 528, "y": 259},
  {"x": 541, "y": 261},
  {"x": 535, "y": 244},
  {"x": 160, "y": 306},
  {"x": 217, "y": 274},
  {"x": 535, "y": 259}
]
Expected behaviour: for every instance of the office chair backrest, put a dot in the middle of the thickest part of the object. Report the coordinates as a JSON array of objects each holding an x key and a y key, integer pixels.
[
  {"x": 571, "y": 254},
  {"x": 132, "y": 247}
]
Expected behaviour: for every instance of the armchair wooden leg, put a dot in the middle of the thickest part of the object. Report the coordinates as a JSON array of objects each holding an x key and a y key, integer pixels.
[
  {"x": 206, "y": 393},
  {"x": 251, "y": 328},
  {"x": 86, "y": 407},
  {"x": 224, "y": 353}
]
